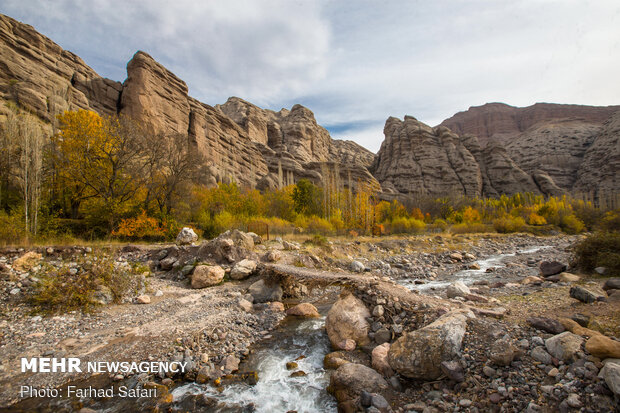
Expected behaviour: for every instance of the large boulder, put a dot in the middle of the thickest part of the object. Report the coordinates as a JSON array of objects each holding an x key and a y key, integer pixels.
[
  {"x": 346, "y": 320},
  {"x": 350, "y": 379},
  {"x": 243, "y": 269},
  {"x": 186, "y": 236},
  {"x": 241, "y": 239},
  {"x": 564, "y": 346},
  {"x": 549, "y": 268},
  {"x": 207, "y": 276},
  {"x": 306, "y": 310},
  {"x": 457, "y": 289},
  {"x": 418, "y": 354},
  {"x": 264, "y": 291}
]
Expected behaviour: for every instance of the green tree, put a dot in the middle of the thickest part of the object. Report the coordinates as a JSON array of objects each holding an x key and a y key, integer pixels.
[{"x": 307, "y": 198}]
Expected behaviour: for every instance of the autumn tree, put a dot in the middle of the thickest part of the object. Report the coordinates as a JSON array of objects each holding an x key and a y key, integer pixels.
[
  {"x": 99, "y": 159},
  {"x": 172, "y": 163}
]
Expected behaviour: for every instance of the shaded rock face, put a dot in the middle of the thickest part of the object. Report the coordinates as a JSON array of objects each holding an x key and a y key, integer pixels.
[
  {"x": 598, "y": 173},
  {"x": 419, "y": 160},
  {"x": 47, "y": 80},
  {"x": 564, "y": 147},
  {"x": 293, "y": 143}
]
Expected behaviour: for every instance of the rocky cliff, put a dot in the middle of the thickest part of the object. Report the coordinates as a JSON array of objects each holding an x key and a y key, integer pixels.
[
  {"x": 417, "y": 159},
  {"x": 485, "y": 151},
  {"x": 240, "y": 141},
  {"x": 501, "y": 122},
  {"x": 550, "y": 142},
  {"x": 45, "y": 79}
]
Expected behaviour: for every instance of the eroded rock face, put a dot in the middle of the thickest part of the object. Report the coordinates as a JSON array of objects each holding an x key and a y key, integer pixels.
[
  {"x": 564, "y": 147},
  {"x": 47, "y": 80},
  {"x": 418, "y": 354},
  {"x": 417, "y": 159},
  {"x": 346, "y": 320},
  {"x": 501, "y": 122},
  {"x": 598, "y": 174}
]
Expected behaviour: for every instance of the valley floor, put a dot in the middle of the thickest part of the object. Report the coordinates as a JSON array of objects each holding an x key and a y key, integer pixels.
[{"x": 212, "y": 329}]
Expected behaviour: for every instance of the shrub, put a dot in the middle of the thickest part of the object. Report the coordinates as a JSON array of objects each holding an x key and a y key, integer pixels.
[
  {"x": 318, "y": 225},
  {"x": 611, "y": 221},
  {"x": 601, "y": 249},
  {"x": 535, "y": 219},
  {"x": 402, "y": 225},
  {"x": 318, "y": 240},
  {"x": 468, "y": 228},
  {"x": 509, "y": 224},
  {"x": 440, "y": 224},
  {"x": 571, "y": 224},
  {"x": 11, "y": 228},
  {"x": 64, "y": 289},
  {"x": 141, "y": 227}
]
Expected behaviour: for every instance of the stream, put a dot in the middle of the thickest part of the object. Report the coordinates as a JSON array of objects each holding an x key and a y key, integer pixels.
[
  {"x": 276, "y": 391},
  {"x": 469, "y": 276}
]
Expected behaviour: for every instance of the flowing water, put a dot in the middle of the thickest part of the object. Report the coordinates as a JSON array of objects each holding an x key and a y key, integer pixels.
[
  {"x": 276, "y": 391},
  {"x": 469, "y": 276}
]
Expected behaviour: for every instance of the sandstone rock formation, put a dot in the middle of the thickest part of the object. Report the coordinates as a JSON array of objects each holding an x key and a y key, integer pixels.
[
  {"x": 488, "y": 150},
  {"x": 45, "y": 79},
  {"x": 240, "y": 142},
  {"x": 419, "y": 160},
  {"x": 565, "y": 148},
  {"x": 503, "y": 123},
  {"x": 601, "y": 163}
]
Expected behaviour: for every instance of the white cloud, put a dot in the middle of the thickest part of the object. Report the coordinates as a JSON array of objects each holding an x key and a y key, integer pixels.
[{"x": 354, "y": 63}]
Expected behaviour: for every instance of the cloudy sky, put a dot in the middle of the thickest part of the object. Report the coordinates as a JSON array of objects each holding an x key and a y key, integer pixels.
[{"x": 353, "y": 63}]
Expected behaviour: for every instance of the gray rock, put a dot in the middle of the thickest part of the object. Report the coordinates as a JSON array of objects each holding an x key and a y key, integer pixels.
[
  {"x": 383, "y": 335},
  {"x": 541, "y": 355},
  {"x": 186, "y": 236},
  {"x": 564, "y": 346},
  {"x": 611, "y": 374},
  {"x": 264, "y": 292},
  {"x": 548, "y": 268},
  {"x": 583, "y": 295},
  {"x": 243, "y": 269},
  {"x": 612, "y": 284},
  {"x": 379, "y": 402},
  {"x": 502, "y": 352},
  {"x": 350, "y": 379},
  {"x": 600, "y": 270},
  {"x": 548, "y": 325},
  {"x": 418, "y": 354},
  {"x": 357, "y": 266},
  {"x": 453, "y": 370},
  {"x": 167, "y": 263},
  {"x": 457, "y": 289}
]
